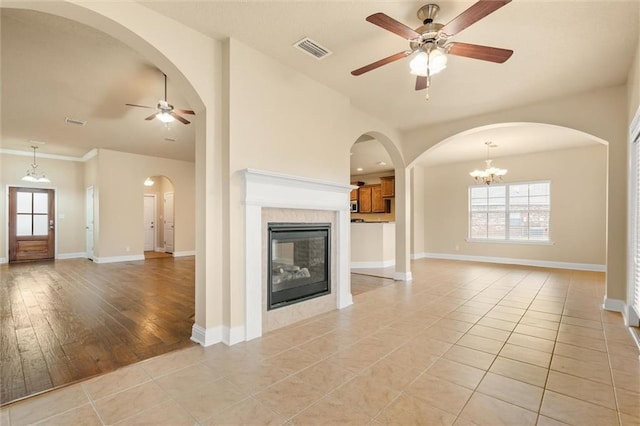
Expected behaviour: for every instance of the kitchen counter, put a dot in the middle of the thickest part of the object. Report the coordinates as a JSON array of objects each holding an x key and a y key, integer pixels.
[{"x": 373, "y": 244}]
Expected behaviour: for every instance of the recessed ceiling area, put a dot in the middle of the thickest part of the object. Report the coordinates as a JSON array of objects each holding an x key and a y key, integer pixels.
[{"x": 54, "y": 68}]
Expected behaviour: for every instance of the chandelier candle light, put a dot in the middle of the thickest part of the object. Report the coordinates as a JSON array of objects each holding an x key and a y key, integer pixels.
[
  {"x": 32, "y": 173},
  {"x": 490, "y": 174}
]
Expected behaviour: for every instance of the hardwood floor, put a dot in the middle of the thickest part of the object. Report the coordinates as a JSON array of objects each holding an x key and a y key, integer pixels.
[{"x": 64, "y": 321}]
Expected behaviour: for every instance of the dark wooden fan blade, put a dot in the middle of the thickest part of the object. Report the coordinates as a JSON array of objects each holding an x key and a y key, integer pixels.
[
  {"x": 139, "y": 106},
  {"x": 151, "y": 117},
  {"x": 484, "y": 53},
  {"x": 390, "y": 24},
  {"x": 421, "y": 82},
  {"x": 472, "y": 15},
  {"x": 380, "y": 63},
  {"x": 180, "y": 119},
  {"x": 185, "y": 111}
]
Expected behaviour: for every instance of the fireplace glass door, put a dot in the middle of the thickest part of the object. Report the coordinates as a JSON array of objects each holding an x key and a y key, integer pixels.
[{"x": 298, "y": 262}]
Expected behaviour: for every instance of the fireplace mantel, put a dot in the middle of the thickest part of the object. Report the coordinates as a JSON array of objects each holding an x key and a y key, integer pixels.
[{"x": 265, "y": 189}]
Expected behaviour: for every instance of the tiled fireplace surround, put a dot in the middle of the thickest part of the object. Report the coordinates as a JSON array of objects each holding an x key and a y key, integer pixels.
[{"x": 273, "y": 197}]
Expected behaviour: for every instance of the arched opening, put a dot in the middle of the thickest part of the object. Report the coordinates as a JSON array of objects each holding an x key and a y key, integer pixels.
[
  {"x": 574, "y": 166},
  {"x": 379, "y": 228},
  {"x": 159, "y": 217},
  {"x": 112, "y": 179}
]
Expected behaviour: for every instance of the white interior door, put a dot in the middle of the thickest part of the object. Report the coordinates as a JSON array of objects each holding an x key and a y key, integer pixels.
[
  {"x": 168, "y": 222},
  {"x": 149, "y": 222},
  {"x": 89, "y": 222}
]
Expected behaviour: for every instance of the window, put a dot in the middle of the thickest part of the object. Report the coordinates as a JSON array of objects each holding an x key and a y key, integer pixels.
[{"x": 512, "y": 212}]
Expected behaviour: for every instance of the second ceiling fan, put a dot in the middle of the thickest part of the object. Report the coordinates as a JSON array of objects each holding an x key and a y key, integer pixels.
[
  {"x": 430, "y": 42},
  {"x": 165, "y": 112}
]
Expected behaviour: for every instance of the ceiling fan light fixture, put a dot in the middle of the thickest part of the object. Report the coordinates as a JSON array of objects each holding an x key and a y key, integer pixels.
[
  {"x": 426, "y": 64},
  {"x": 165, "y": 117}
]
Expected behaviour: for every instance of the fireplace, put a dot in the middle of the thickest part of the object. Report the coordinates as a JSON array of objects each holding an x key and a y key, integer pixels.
[{"x": 298, "y": 262}]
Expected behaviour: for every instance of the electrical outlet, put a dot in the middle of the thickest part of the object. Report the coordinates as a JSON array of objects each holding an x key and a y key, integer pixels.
[
  {"x": 128, "y": 249},
  {"x": 457, "y": 247}
]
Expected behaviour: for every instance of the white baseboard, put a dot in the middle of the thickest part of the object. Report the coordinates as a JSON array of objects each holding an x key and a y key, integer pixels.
[
  {"x": 184, "y": 253},
  {"x": 233, "y": 335},
  {"x": 514, "y": 261},
  {"x": 403, "y": 276},
  {"x": 345, "y": 301},
  {"x": 113, "y": 259},
  {"x": 3, "y": 260},
  {"x": 159, "y": 249},
  {"x": 365, "y": 265},
  {"x": 416, "y": 256},
  {"x": 206, "y": 337},
  {"x": 82, "y": 255}
]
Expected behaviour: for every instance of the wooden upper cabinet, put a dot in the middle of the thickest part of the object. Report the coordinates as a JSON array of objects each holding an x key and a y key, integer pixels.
[
  {"x": 364, "y": 199},
  {"x": 388, "y": 186},
  {"x": 377, "y": 202},
  {"x": 354, "y": 192}
]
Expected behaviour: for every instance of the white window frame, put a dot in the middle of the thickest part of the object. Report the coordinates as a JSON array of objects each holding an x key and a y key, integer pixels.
[{"x": 507, "y": 240}]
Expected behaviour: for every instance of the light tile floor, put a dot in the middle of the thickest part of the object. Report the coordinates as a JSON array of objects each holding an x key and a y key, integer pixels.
[{"x": 462, "y": 344}]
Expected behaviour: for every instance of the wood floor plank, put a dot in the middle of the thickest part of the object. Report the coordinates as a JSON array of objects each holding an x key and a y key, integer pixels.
[{"x": 69, "y": 320}]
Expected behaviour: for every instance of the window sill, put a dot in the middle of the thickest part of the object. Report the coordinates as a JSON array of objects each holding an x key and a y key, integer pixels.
[{"x": 519, "y": 242}]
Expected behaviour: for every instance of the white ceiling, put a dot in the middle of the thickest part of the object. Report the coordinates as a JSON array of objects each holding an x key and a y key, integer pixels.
[{"x": 52, "y": 68}]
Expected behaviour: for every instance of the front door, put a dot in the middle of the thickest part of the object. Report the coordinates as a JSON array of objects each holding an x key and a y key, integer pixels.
[{"x": 31, "y": 224}]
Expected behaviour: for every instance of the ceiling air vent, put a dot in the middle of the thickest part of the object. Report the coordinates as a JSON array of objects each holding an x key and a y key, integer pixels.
[
  {"x": 75, "y": 121},
  {"x": 312, "y": 48}
]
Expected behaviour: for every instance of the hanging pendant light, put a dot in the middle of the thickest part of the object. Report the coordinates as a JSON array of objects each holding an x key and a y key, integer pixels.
[
  {"x": 490, "y": 174},
  {"x": 32, "y": 173}
]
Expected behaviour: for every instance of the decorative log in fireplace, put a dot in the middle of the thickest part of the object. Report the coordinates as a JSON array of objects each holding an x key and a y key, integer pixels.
[{"x": 299, "y": 262}]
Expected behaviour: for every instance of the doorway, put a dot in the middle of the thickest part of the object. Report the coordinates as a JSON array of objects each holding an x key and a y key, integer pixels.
[
  {"x": 31, "y": 224},
  {"x": 159, "y": 217},
  {"x": 89, "y": 226}
]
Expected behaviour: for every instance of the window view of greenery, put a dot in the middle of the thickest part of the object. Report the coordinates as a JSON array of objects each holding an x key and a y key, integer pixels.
[{"x": 511, "y": 212}]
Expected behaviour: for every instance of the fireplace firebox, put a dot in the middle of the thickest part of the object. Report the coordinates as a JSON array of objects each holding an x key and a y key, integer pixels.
[{"x": 299, "y": 262}]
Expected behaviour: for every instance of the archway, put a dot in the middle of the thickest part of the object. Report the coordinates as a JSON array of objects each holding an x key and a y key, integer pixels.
[
  {"x": 197, "y": 77},
  {"x": 392, "y": 246},
  {"x": 532, "y": 153},
  {"x": 159, "y": 217}
]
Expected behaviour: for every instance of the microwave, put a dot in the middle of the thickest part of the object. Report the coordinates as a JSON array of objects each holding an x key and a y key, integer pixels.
[{"x": 354, "y": 206}]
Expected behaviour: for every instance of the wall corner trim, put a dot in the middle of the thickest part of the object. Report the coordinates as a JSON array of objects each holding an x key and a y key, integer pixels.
[{"x": 206, "y": 337}]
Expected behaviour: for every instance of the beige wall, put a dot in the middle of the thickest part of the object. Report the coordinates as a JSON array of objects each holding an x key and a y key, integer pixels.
[
  {"x": 67, "y": 178},
  {"x": 417, "y": 210},
  {"x": 121, "y": 177},
  {"x": 633, "y": 84},
  {"x": 578, "y": 207}
]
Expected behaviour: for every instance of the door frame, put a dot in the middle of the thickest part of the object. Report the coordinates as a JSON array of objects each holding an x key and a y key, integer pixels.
[
  {"x": 6, "y": 215},
  {"x": 164, "y": 218},
  {"x": 90, "y": 254}
]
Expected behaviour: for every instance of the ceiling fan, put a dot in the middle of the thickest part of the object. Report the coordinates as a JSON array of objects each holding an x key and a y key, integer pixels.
[
  {"x": 165, "y": 112},
  {"x": 430, "y": 43}
]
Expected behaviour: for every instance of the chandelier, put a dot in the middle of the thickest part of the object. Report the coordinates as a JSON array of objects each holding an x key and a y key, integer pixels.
[
  {"x": 32, "y": 173},
  {"x": 490, "y": 174}
]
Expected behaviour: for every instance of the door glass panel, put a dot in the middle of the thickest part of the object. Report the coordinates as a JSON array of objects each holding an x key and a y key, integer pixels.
[
  {"x": 40, "y": 225},
  {"x": 23, "y": 225},
  {"x": 40, "y": 202},
  {"x": 24, "y": 203}
]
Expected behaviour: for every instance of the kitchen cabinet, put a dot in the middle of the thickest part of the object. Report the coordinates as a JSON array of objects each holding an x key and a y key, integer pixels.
[
  {"x": 388, "y": 186},
  {"x": 377, "y": 202},
  {"x": 364, "y": 199},
  {"x": 370, "y": 199}
]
